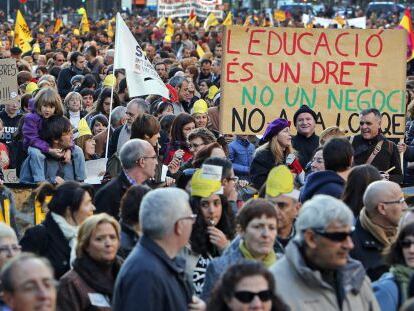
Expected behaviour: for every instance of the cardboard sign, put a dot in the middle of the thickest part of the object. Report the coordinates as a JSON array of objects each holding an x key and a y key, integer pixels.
[
  {"x": 8, "y": 81},
  {"x": 269, "y": 73},
  {"x": 182, "y": 8}
]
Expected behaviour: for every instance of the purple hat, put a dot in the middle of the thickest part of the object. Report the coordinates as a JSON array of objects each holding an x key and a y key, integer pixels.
[{"x": 274, "y": 128}]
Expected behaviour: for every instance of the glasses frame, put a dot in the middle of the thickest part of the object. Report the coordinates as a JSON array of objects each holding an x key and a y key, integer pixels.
[
  {"x": 192, "y": 217},
  {"x": 246, "y": 297},
  {"x": 400, "y": 201},
  {"x": 333, "y": 236}
]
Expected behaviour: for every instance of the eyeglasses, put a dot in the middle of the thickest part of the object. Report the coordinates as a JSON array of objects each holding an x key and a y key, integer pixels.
[
  {"x": 195, "y": 146},
  {"x": 192, "y": 217},
  {"x": 235, "y": 179},
  {"x": 334, "y": 236},
  {"x": 406, "y": 243},
  {"x": 247, "y": 297},
  {"x": 400, "y": 201},
  {"x": 9, "y": 249}
]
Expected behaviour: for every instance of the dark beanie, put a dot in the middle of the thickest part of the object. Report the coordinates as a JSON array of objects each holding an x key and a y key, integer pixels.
[{"x": 303, "y": 109}]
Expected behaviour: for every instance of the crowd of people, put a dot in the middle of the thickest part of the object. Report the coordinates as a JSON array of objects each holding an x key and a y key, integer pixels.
[{"x": 187, "y": 217}]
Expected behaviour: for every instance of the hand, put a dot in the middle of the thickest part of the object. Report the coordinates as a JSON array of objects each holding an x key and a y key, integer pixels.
[
  {"x": 401, "y": 147},
  {"x": 59, "y": 180},
  {"x": 217, "y": 238},
  {"x": 179, "y": 154},
  {"x": 169, "y": 181},
  {"x": 385, "y": 176},
  {"x": 243, "y": 183},
  {"x": 197, "y": 304},
  {"x": 56, "y": 153},
  {"x": 174, "y": 165},
  {"x": 67, "y": 156}
]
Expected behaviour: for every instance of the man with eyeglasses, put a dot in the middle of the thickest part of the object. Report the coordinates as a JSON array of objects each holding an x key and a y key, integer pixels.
[
  {"x": 139, "y": 160},
  {"x": 153, "y": 277},
  {"x": 377, "y": 225},
  {"x": 371, "y": 147},
  {"x": 316, "y": 272},
  {"x": 28, "y": 283}
]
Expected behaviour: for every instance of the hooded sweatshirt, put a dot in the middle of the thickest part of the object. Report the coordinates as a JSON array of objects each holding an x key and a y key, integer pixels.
[{"x": 325, "y": 182}]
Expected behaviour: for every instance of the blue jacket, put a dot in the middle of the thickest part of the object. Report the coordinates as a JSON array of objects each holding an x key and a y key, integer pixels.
[
  {"x": 241, "y": 155},
  {"x": 387, "y": 292},
  {"x": 150, "y": 280},
  {"x": 325, "y": 182}
]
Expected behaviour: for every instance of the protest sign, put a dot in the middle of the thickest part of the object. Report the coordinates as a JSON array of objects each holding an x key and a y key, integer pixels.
[
  {"x": 270, "y": 72},
  {"x": 181, "y": 8},
  {"x": 95, "y": 170},
  {"x": 8, "y": 81}
]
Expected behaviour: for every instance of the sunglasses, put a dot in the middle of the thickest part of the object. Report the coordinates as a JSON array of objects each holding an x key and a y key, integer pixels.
[
  {"x": 247, "y": 297},
  {"x": 334, "y": 236},
  {"x": 361, "y": 123},
  {"x": 406, "y": 243}
]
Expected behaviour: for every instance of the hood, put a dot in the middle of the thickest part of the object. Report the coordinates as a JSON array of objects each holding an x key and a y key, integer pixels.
[{"x": 317, "y": 180}]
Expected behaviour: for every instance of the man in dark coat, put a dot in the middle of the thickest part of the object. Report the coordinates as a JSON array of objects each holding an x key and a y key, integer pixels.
[
  {"x": 372, "y": 142},
  {"x": 152, "y": 277},
  {"x": 77, "y": 67},
  {"x": 138, "y": 160},
  {"x": 377, "y": 225},
  {"x": 306, "y": 141},
  {"x": 338, "y": 156}
]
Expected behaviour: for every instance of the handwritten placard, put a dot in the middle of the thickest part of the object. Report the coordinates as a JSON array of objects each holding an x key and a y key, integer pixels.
[
  {"x": 8, "y": 81},
  {"x": 270, "y": 72}
]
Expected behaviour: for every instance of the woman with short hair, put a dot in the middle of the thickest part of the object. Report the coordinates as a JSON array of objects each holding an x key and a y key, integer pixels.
[{"x": 90, "y": 284}]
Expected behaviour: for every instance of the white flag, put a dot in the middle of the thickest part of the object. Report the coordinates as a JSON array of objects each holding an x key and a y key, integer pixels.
[{"x": 142, "y": 79}]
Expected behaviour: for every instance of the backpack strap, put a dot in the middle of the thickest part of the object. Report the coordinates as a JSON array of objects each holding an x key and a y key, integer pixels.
[{"x": 374, "y": 153}]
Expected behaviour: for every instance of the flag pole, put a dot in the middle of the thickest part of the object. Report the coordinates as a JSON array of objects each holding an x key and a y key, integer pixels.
[{"x": 112, "y": 97}]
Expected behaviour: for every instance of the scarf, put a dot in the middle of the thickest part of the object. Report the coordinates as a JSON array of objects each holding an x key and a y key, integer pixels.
[
  {"x": 385, "y": 235},
  {"x": 402, "y": 275},
  {"x": 69, "y": 232},
  {"x": 268, "y": 260},
  {"x": 98, "y": 275}
]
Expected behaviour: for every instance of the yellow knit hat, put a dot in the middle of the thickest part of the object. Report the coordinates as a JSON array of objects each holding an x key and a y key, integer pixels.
[
  {"x": 202, "y": 187},
  {"x": 109, "y": 80},
  {"x": 83, "y": 128},
  {"x": 76, "y": 32},
  {"x": 279, "y": 181},
  {"x": 200, "y": 106},
  {"x": 36, "y": 48},
  {"x": 31, "y": 87},
  {"x": 212, "y": 91}
]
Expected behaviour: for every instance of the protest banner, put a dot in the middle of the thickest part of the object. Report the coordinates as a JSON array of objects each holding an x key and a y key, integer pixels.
[
  {"x": 8, "y": 81},
  {"x": 181, "y": 8},
  {"x": 270, "y": 72}
]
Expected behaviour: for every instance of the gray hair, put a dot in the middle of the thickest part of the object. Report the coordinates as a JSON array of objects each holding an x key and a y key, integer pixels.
[
  {"x": 6, "y": 232},
  {"x": 321, "y": 211},
  {"x": 7, "y": 279},
  {"x": 375, "y": 111},
  {"x": 177, "y": 81},
  {"x": 110, "y": 53},
  {"x": 141, "y": 103},
  {"x": 375, "y": 194},
  {"x": 160, "y": 210},
  {"x": 131, "y": 151},
  {"x": 117, "y": 114}
]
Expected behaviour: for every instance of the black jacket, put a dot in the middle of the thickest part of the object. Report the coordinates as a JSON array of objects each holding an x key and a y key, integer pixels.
[
  {"x": 108, "y": 198},
  {"x": 113, "y": 141},
  {"x": 63, "y": 81},
  {"x": 263, "y": 162},
  {"x": 368, "y": 250},
  {"x": 385, "y": 159},
  {"x": 325, "y": 182},
  {"x": 305, "y": 146},
  {"x": 150, "y": 280},
  {"x": 129, "y": 239},
  {"x": 48, "y": 240}
]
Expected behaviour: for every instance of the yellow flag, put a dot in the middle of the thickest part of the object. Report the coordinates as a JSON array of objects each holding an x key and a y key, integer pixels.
[
  {"x": 229, "y": 20},
  {"x": 340, "y": 20},
  {"x": 191, "y": 20},
  {"x": 5, "y": 214},
  {"x": 280, "y": 15},
  {"x": 110, "y": 29},
  {"x": 22, "y": 34},
  {"x": 200, "y": 51},
  {"x": 84, "y": 25},
  {"x": 210, "y": 21},
  {"x": 58, "y": 25},
  {"x": 161, "y": 22},
  {"x": 81, "y": 11},
  {"x": 248, "y": 21},
  {"x": 170, "y": 27}
]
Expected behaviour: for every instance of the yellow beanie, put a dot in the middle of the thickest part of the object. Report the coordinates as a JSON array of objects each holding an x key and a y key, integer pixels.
[
  {"x": 109, "y": 80},
  {"x": 279, "y": 181},
  {"x": 200, "y": 106},
  {"x": 36, "y": 48},
  {"x": 202, "y": 187},
  {"x": 83, "y": 128},
  {"x": 31, "y": 87},
  {"x": 212, "y": 91},
  {"x": 76, "y": 32}
]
